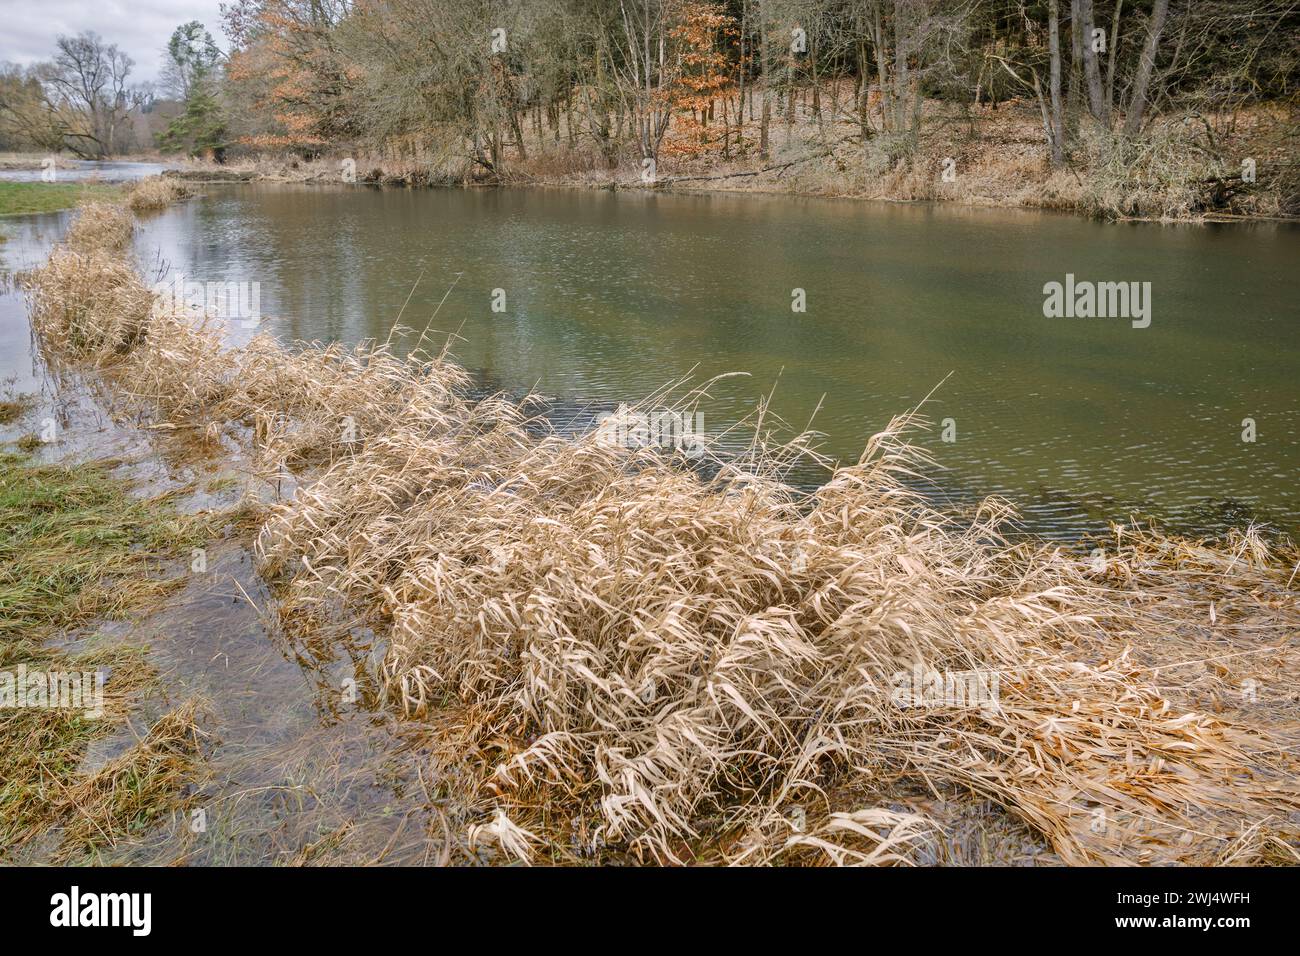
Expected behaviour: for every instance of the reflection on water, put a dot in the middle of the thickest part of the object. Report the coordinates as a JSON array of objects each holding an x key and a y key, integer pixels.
[{"x": 610, "y": 296}]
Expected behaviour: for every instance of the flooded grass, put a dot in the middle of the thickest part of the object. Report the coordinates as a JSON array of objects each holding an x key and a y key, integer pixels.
[
  {"x": 12, "y": 408},
  {"x": 13, "y": 404},
  {"x": 125, "y": 798},
  {"x": 42, "y": 749},
  {"x": 206, "y": 707},
  {"x": 75, "y": 546}
]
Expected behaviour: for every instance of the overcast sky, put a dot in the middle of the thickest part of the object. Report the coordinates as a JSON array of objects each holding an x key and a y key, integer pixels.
[{"x": 139, "y": 27}]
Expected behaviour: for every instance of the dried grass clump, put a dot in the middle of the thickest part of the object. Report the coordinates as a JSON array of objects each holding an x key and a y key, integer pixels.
[
  {"x": 311, "y": 404},
  {"x": 703, "y": 664},
  {"x": 1160, "y": 175},
  {"x": 88, "y": 304},
  {"x": 307, "y": 404},
  {"x": 88, "y": 301},
  {"x": 156, "y": 192},
  {"x": 672, "y": 659},
  {"x": 100, "y": 227},
  {"x": 179, "y": 366}
]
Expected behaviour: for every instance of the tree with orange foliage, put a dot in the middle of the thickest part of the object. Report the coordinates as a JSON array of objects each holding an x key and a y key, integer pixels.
[
  {"x": 704, "y": 32},
  {"x": 287, "y": 61}
]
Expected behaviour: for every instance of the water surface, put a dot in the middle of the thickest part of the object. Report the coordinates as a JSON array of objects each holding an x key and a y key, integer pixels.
[
  {"x": 86, "y": 170},
  {"x": 608, "y": 296}
]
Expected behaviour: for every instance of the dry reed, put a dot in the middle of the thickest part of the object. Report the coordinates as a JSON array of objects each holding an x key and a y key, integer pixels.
[
  {"x": 93, "y": 302},
  {"x": 100, "y": 227},
  {"x": 156, "y": 192}
]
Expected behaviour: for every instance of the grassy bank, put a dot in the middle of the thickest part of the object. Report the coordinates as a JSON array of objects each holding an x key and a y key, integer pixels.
[
  {"x": 630, "y": 659},
  {"x": 76, "y": 546},
  {"x": 18, "y": 199},
  {"x": 152, "y": 193}
]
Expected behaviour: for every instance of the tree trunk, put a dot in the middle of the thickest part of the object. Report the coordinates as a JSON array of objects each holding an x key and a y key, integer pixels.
[
  {"x": 1111, "y": 54},
  {"x": 740, "y": 93},
  {"x": 1054, "y": 84},
  {"x": 1092, "y": 67},
  {"x": 901, "y": 80},
  {"x": 789, "y": 99},
  {"x": 816, "y": 78},
  {"x": 1074, "y": 96},
  {"x": 726, "y": 130},
  {"x": 1146, "y": 66},
  {"x": 882, "y": 71},
  {"x": 518, "y": 129}
]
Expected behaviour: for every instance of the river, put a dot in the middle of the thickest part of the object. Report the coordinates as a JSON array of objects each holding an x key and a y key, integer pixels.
[
  {"x": 84, "y": 170},
  {"x": 606, "y": 297}
]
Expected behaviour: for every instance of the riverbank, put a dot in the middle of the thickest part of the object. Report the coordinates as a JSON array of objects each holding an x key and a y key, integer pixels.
[
  {"x": 59, "y": 161},
  {"x": 1181, "y": 169},
  {"x": 628, "y": 659},
  {"x": 33, "y": 161},
  {"x": 128, "y": 560},
  {"x": 151, "y": 194},
  {"x": 23, "y": 199}
]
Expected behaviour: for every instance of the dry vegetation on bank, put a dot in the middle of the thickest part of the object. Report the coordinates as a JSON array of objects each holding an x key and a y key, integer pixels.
[
  {"x": 25, "y": 161},
  {"x": 156, "y": 192},
  {"x": 1176, "y": 171},
  {"x": 630, "y": 659}
]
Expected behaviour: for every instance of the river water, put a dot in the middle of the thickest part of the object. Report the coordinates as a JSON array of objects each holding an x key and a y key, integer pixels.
[
  {"x": 606, "y": 297},
  {"x": 84, "y": 170}
]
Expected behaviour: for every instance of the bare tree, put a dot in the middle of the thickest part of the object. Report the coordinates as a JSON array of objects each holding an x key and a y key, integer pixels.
[
  {"x": 1050, "y": 106},
  {"x": 87, "y": 82},
  {"x": 1056, "y": 121},
  {"x": 647, "y": 69},
  {"x": 1111, "y": 54}
]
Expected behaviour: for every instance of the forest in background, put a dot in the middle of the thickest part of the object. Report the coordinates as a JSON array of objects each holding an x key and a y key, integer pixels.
[{"x": 1146, "y": 94}]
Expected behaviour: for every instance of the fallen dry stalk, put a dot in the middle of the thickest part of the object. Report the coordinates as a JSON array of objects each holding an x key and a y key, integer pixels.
[{"x": 686, "y": 667}]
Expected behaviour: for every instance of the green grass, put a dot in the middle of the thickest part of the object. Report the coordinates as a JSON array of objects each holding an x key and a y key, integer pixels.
[
  {"x": 75, "y": 546},
  {"x": 18, "y": 199},
  {"x": 74, "y": 543}
]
